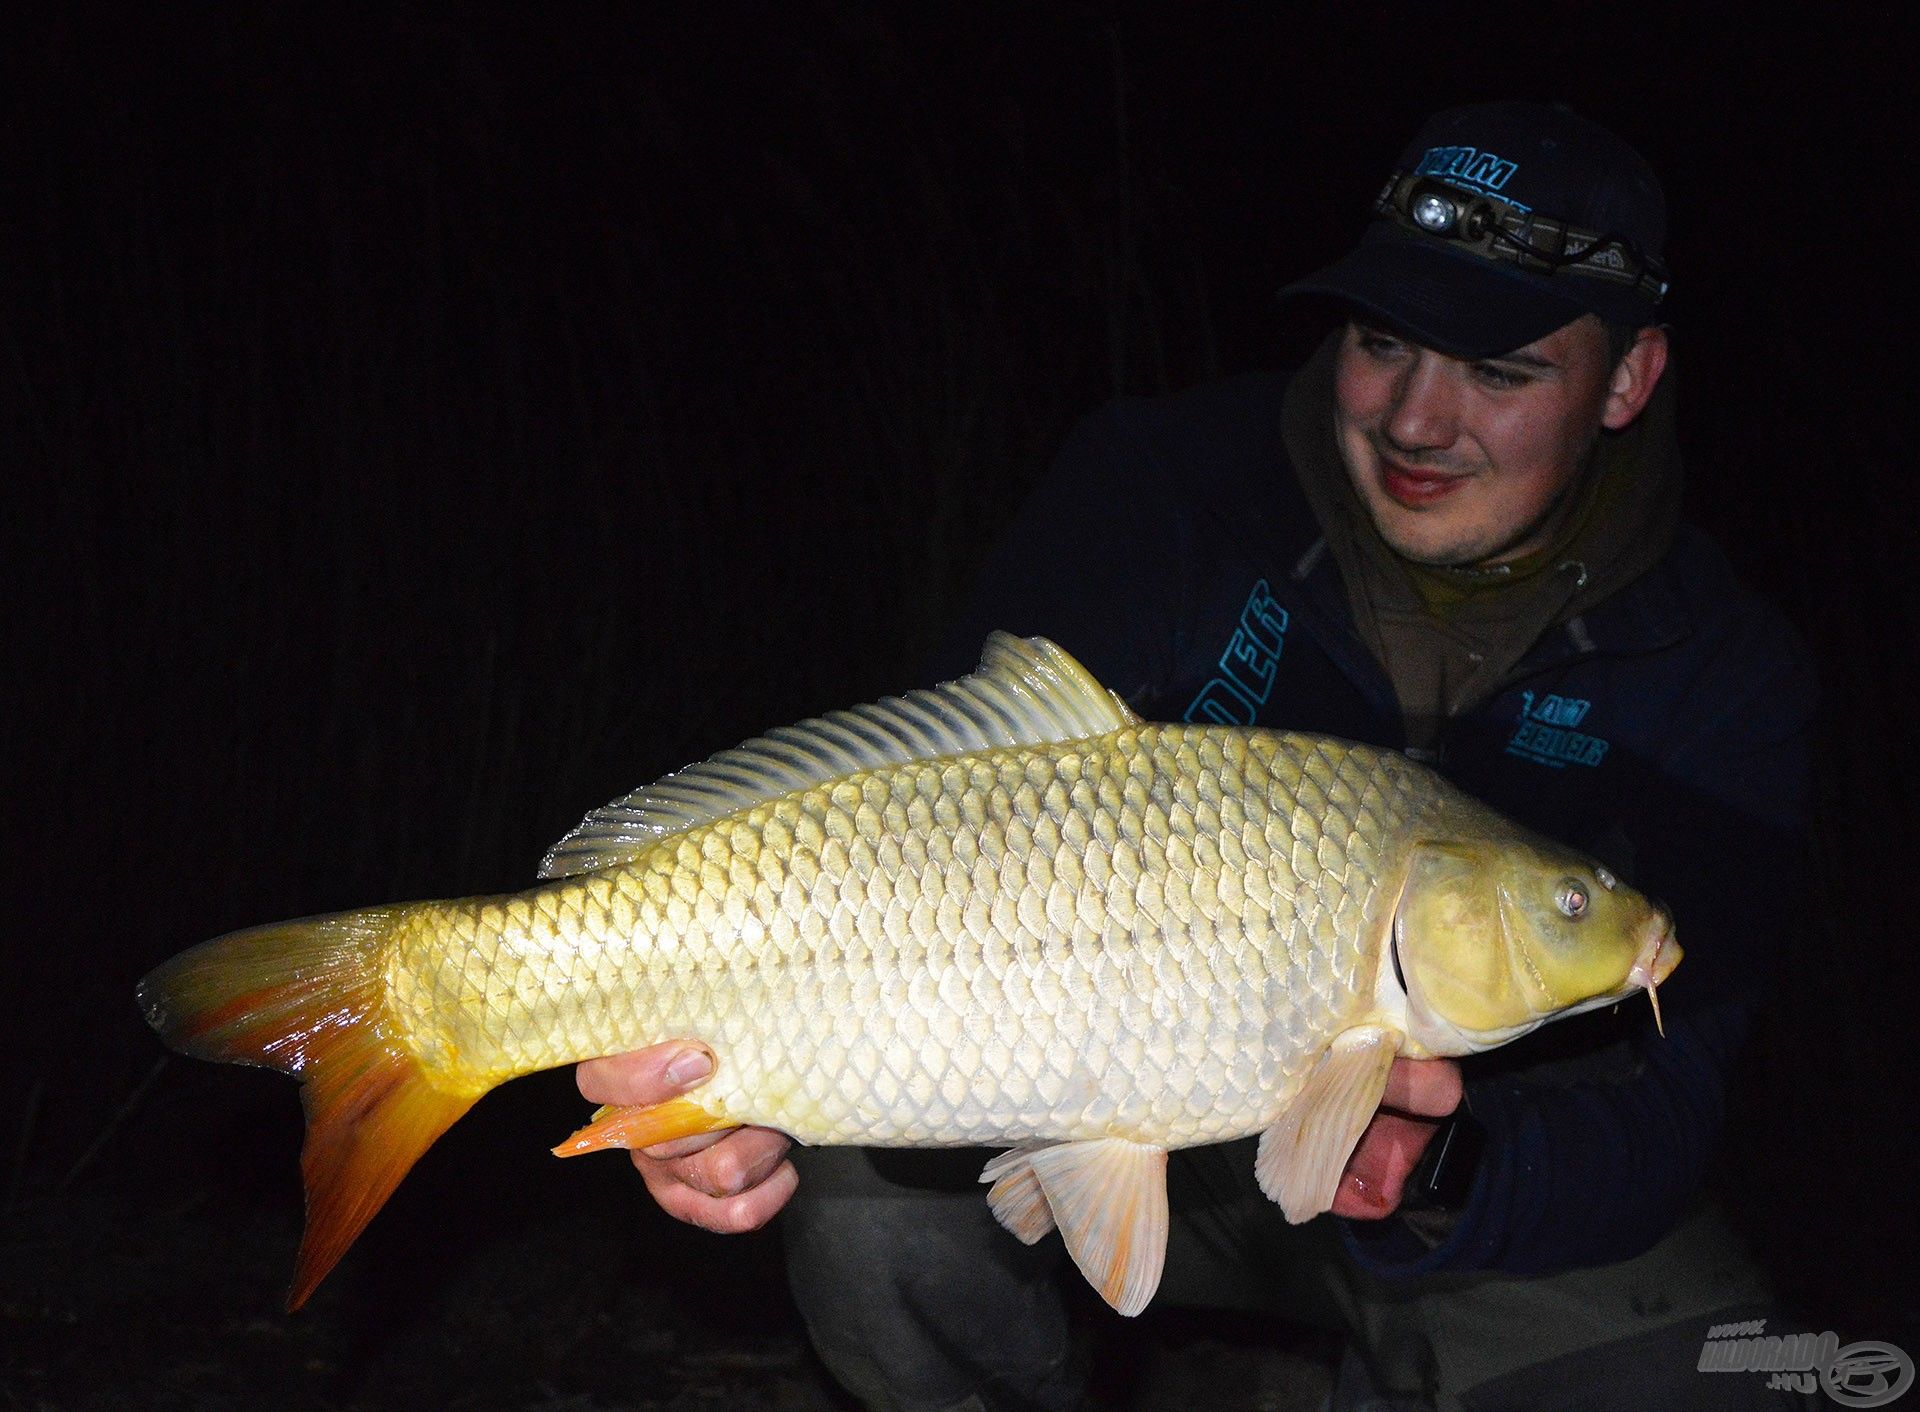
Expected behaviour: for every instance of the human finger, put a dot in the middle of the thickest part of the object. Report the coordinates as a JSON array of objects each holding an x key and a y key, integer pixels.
[
  {"x": 729, "y": 1215},
  {"x": 739, "y": 1161},
  {"x": 645, "y": 1076},
  {"x": 1376, "y": 1174},
  {"x": 1422, "y": 1088}
]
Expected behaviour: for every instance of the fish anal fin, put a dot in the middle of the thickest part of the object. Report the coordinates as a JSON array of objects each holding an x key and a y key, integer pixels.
[
  {"x": 1016, "y": 1198},
  {"x": 1109, "y": 1198},
  {"x": 1302, "y": 1155},
  {"x": 636, "y": 1126}
]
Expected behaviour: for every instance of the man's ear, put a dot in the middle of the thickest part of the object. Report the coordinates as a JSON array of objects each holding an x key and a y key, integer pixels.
[{"x": 1634, "y": 378}]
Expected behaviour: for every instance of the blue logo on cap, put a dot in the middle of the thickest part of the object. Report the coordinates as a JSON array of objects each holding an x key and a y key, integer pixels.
[{"x": 1467, "y": 166}]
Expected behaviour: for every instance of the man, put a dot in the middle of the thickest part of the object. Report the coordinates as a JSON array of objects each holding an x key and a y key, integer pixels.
[{"x": 1454, "y": 531}]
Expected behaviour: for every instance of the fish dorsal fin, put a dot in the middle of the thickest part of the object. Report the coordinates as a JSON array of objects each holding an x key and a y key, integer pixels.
[{"x": 1026, "y": 691}]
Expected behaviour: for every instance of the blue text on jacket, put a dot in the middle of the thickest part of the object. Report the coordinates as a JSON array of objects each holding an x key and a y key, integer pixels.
[
  {"x": 1546, "y": 732},
  {"x": 1247, "y": 668}
]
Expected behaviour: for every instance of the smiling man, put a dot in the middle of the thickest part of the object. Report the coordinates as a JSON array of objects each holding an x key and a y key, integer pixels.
[
  {"x": 1455, "y": 531},
  {"x": 1476, "y": 463}
]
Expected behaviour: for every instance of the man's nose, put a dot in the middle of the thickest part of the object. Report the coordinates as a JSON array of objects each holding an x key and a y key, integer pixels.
[{"x": 1425, "y": 411}]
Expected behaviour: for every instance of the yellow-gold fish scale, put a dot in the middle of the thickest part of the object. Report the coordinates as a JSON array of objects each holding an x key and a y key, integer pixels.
[{"x": 1149, "y": 934}]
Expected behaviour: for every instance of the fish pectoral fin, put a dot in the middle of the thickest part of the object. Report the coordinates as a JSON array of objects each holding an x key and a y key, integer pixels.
[
  {"x": 642, "y": 1126},
  {"x": 1016, "y": 1198},
  {"x": 1109, "y": 1197},
  {"x": 1302, "y": 1155}
]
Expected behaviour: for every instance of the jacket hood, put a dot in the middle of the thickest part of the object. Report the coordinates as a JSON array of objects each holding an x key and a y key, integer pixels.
[{"x": 1451, "y": 638}]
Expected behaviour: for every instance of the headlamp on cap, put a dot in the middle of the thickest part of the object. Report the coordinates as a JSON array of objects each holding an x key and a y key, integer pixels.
[
  {"x": 1439, "y": 212},
  {"x": 1504, "y": 231}
]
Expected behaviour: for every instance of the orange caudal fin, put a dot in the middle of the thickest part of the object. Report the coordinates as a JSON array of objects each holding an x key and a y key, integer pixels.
[
  {"x": 371, "y": 1113},
  {"x": 614, "y": 1126},
  {"x": 306, "y": 998}
]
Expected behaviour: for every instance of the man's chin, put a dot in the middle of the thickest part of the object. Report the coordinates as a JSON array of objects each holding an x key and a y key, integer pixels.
[{"x": 1429, "y": 551}]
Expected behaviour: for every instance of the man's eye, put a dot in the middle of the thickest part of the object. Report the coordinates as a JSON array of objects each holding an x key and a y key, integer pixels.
[
  {"x": 1381, "y": 343},
  {"x": 1499, "y": 377}
]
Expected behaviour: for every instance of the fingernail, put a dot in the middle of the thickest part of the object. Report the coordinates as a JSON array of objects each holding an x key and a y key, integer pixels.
[{"x": 689, "y": 1066}]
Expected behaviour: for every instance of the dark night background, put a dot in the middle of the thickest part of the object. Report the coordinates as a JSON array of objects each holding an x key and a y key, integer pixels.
[{"x": 423, "y": 426}]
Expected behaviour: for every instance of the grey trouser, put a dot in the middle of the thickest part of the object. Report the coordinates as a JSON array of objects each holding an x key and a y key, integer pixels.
[{"x": 918, "y": 1301}]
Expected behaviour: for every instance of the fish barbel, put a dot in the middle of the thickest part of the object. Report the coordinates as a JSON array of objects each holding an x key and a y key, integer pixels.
[{"x": 1002, "y": 911}]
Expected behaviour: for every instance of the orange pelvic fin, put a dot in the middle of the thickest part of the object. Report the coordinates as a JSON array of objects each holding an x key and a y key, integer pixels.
[
  {"x": 306, "y": 998},
  {"x": 635, "y": 1127}
]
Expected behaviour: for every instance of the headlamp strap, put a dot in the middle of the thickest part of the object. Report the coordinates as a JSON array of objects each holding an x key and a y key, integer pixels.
[{"x": 1497, "y": 229}]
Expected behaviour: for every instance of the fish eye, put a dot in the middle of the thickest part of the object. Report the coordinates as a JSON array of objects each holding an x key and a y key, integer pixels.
[
  {"x": 1607, "y": 879},
  {"x": 1571, "y": 898}
]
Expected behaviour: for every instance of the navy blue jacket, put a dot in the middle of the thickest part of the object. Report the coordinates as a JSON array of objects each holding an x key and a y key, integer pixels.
[{"x": 1667, "y": 732}]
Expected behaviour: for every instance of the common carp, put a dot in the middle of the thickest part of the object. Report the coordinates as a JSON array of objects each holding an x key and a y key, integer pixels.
[{"x": 1003, "y": 911}]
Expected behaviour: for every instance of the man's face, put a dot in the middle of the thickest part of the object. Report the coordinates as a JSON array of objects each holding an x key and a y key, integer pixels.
[{"x": 1465, "y": 463}]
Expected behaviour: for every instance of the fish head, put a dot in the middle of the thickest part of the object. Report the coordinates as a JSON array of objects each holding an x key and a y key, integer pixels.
[{"x": 1494, "y": 937}]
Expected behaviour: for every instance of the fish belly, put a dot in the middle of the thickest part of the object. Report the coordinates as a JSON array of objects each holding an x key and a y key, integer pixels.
[{"x": 1150, "y": 934}]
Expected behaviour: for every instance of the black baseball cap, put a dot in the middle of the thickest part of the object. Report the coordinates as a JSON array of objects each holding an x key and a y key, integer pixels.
[{"x": 1501, "y": 223}]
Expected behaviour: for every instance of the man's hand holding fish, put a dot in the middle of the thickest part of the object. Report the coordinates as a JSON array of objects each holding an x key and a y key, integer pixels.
[
  {"x": 738, "y": 1181},
  {"x": 725, "y": 1181}
]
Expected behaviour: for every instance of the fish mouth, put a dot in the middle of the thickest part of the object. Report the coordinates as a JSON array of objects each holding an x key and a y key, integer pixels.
[{"x": 1659, "y": 954}]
